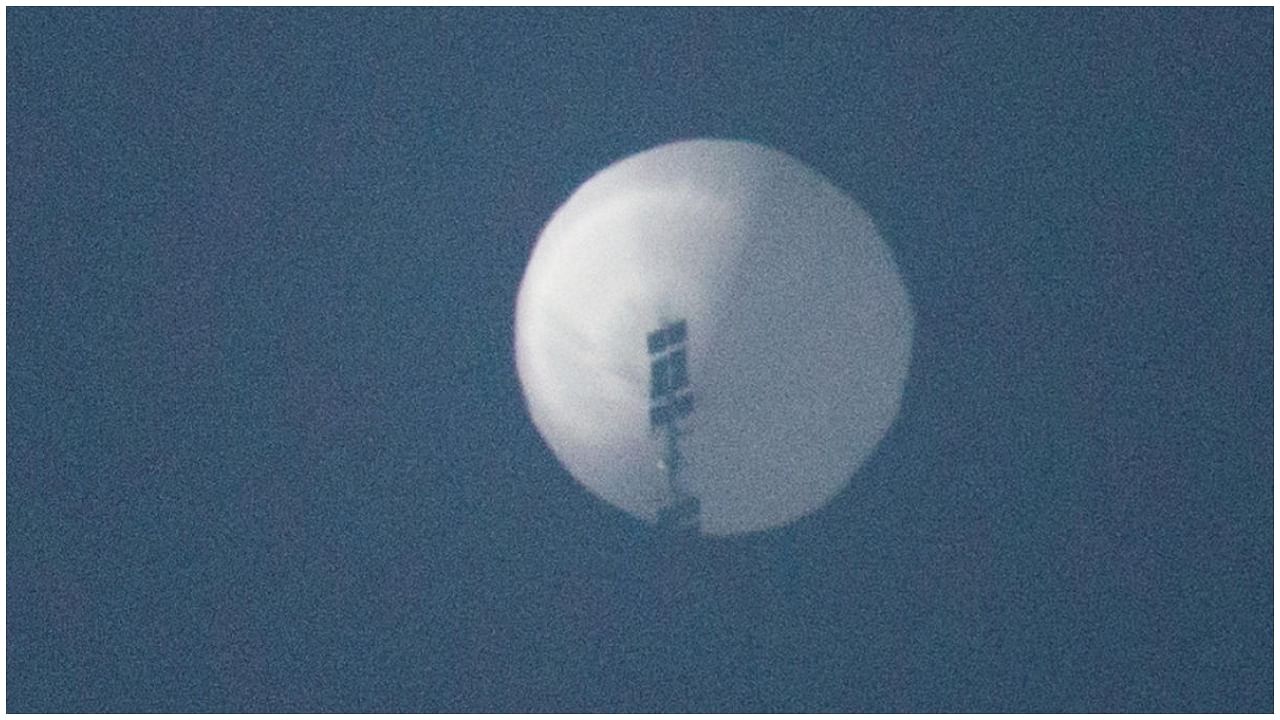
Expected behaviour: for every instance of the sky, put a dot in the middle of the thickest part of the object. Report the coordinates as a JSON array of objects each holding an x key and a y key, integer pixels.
[{"x": 267, "y": 450}]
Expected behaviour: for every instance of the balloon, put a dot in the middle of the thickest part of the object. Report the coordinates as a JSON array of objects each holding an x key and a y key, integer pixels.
[{"x": 793, "y": 324}]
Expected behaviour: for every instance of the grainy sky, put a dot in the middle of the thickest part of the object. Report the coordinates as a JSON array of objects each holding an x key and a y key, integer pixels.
[{"x": 267, "y": 449}]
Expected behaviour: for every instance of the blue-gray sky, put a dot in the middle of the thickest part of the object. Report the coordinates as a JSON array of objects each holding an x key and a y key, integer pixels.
[{"x": 267, "y": 449}]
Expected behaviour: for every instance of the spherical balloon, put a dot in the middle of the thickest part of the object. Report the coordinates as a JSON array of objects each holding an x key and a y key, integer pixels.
[{"x": 795, "y": 333}]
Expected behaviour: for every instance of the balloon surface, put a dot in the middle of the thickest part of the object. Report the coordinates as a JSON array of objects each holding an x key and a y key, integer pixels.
[{"x": 798, "y": 332}]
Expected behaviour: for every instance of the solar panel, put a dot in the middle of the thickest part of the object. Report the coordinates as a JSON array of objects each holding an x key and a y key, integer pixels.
[
  {"x": 668, "y": 373},
  {"x": 668, "y": 412},
  {"x": 657, "y": 341},
  {"x": 668, "y": 335},
  {"x": 671, "y": 401}
]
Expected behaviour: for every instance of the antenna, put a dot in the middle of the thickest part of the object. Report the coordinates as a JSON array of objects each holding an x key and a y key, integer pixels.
[{"x": 671, "y": 400}]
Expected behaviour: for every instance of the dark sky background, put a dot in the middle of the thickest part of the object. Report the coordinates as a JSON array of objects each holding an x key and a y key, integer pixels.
[{"x": 267, "y": 449}]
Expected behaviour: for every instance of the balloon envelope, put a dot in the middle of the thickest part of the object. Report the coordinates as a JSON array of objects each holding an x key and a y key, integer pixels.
[{"x": 798, "y": 341}]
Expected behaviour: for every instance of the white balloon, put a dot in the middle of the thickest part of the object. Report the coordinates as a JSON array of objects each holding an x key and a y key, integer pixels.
[{"x": 799, "y": 332}]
